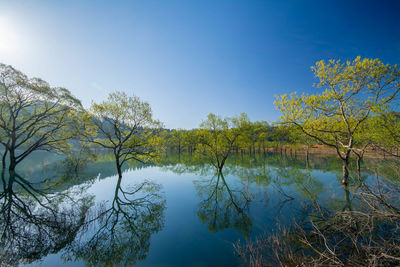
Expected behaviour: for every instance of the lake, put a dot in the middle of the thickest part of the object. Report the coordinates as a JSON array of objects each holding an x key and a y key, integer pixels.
[{"x": 177, "y": 212}]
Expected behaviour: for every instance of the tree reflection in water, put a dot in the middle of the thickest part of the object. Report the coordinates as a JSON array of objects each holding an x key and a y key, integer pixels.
[
  {"x": 223, "y": 207},
  {"x": 119, "y": 233},
  {"x": 35, "y": 222},
  {"x": 301, "y": 180}
]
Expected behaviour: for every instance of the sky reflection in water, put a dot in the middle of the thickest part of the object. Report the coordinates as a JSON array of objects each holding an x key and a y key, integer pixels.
[{"x": 176, "y": 213}]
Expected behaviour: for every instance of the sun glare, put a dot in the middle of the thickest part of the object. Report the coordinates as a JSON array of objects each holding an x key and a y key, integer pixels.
[{"x": 8, "y": 37}]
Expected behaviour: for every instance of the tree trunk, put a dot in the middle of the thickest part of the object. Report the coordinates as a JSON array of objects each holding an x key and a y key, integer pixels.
[
  {"x": 4, "y": 157},
  {"x": 12, "y": 165},
  {"x": 13, "y": 161},
  {"x": 345, "y": 171},
  {"x": 221, "y": 164},
  {"x": 347, "y": 199},
  {"x": 119, "y": 171},
  {"x": 118, "y": 165},
  {"x": 359, "y": 164}
]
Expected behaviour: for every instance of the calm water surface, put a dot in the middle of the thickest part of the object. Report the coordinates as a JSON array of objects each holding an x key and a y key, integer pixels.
[{"x": 176, "y": 213}]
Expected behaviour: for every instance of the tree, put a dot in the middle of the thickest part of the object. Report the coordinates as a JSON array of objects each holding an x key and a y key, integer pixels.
[
  {"x": 296, "y": 137},
  {"x": 246, "y": 138},
  {"x": 223, "y": 207},
  {"x": 264, "y": 132},
  {"x": 35, "y": 221},
  {"x": 364, "y": 138},
  {"x": 119, "y": 234},
  {"x": 280, "y": 136},
  {"x": 125, "y": 125},
  {"x": 33, "y": 115},
  {"x": 176, "y": 139},
  {"x": 217, "y": 138},
  {"x": 190, "y": 139},
  {"x": 354, "y": 91},
  {"x": 386, "y": 136}
]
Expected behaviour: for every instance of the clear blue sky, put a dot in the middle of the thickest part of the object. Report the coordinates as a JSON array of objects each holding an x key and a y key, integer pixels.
[{"x": 190, "y": 58}]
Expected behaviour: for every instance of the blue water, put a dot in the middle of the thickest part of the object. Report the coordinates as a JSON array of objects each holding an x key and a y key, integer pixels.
[{"x": 177, "y": 212}]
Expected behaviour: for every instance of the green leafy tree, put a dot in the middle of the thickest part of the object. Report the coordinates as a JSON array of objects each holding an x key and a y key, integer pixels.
[
  {"x": 263, "y": 134},
  {"x": 297, "y": 138},
  {"x": 126, "y": 126},
  {"x": 353, "y": 92},
  {"x": 33, "y": 115},
  {"x": 218, "y": 137},
  {"x": 176, "y": 139},
  {"x": 280, "y": 136},
  {"x": 387, "y": 136},
  {"x": 248, "y": 137},
  {"x": 190, "y": 140}
]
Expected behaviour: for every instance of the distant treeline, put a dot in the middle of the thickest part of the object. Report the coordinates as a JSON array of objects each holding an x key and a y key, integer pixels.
[
  {"x": 255, "y": 137},
  {"x": 356, "y": 113},
  {"x": 262, "y": 137}
]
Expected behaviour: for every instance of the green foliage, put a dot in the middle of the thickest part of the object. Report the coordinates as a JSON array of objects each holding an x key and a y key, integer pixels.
[
  {"x": 353, "y": 92},
  {"x": 125, "y": 125},
  {"x": 34, "y": 115},
  {"x": 218, "y": 137},
  {"x": 77, "y": 160},
  {"x": 386, "y": 132}
]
